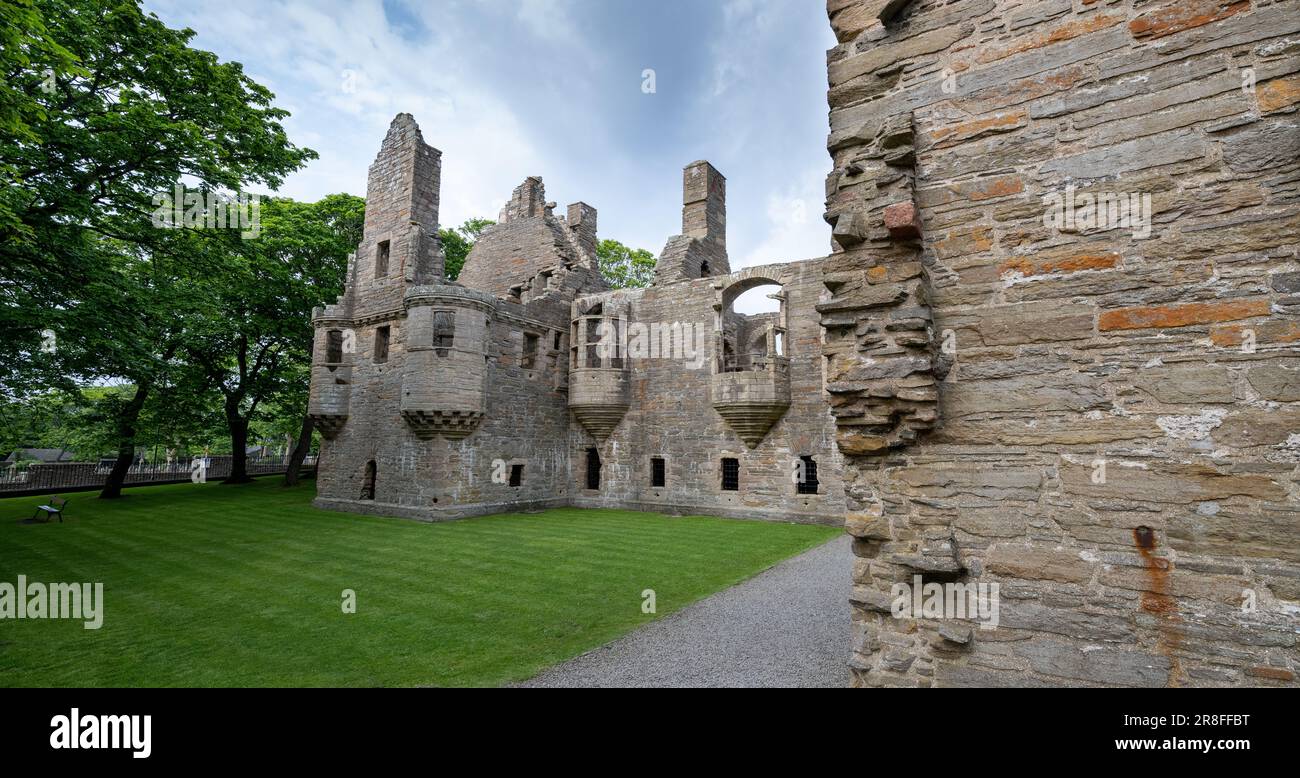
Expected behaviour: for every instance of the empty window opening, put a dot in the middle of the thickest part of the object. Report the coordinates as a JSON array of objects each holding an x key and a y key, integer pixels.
[
  {"x": 444, "y": 331},
  {"x": 334, "y": 347},
  {"x": 806, "y": 482},
  {"x": 593, "y": 343},
  {"x": 368, "y": 482},
  {"x": 557, "y": 342},
  {"x": 704, "y": 268},
  {"x": 381, "y": 259},
  {"x": 730, "y": 474},
  {"x": 381, "y": 345},
  {"x": 516, "y": 475},
  {"x": 529, "y": 360},
  {"x": 658, "y": 473},
  {"x": 593, "y": 469}
]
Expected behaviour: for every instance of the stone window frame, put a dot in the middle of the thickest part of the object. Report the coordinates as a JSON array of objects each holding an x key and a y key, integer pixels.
[
  {"x": 439, "y": 334},
  {"x": 529, "y": 360},
  {"x": 722, "y": 472},
  {"x": 382, "y": 343},
  {"x": 383, "y": 255},
  {"x": 333, "y": 348},
  {"x": 516, "y": 475},
  {"x": 810, "y": 478},
  {"x": 587, "y": 469},
  {"x": 659, "y": 468}
]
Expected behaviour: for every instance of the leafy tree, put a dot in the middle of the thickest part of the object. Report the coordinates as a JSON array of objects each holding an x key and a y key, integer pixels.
[
  {"x": 625, "y": 268},
  {"x": 457, "y": 242},
  {"x": 113, "y": 107},
  {"x": 253, "y": 340}
]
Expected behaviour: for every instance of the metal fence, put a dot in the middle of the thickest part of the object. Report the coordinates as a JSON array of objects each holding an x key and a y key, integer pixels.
[{"x": 39, "y": 476}]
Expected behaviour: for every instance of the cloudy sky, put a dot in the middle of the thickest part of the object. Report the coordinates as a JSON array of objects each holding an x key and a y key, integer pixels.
[{"x": 512, "y": 88}]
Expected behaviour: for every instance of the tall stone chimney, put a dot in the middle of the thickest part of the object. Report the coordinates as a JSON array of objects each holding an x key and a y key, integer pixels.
[{"x": 704, "y": 209}]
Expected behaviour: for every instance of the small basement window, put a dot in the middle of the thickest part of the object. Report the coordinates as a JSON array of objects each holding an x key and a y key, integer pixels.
[
  {"x": 593, "y": 469},
  {"x": 658, "y": 473},
  {"x": 529, "y": 360},
  {"x": 516, "y": 475},
  {"x": 807, "y": 482},
  {"x": 381, "y": 259},
  {"x": 381, "y": 345},
  {"x": 730, "y": 474}
]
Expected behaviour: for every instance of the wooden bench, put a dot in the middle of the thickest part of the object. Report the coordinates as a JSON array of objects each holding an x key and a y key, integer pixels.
[{"x": 55, "y": 508}]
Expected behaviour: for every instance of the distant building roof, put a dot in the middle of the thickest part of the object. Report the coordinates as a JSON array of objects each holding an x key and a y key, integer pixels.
[{"x": 42, "y": 454}]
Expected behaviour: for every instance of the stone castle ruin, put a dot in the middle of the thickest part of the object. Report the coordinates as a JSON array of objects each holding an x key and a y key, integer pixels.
[
  {"x": 529, "y": 384},
  {"x": 1055, "y": 346}
]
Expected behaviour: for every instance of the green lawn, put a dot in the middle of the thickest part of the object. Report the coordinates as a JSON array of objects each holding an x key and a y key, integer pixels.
[{"x": 213, "y": 585}]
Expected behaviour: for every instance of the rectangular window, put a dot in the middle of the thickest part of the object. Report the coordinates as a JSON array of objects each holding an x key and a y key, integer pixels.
[
  {"x": 593, "y": 469},
  {"x": 592, "y": 342},
  {"x": 516, "y": 475},
  {"x": 557, "y": 341},
  {"x": 444, "y": 331},
  {"x": 529, "y": 361},
  {"x": 381, "y": 345},
  {"x": 730, "y": 474},
  {"x": 658, "y": 473},
  {"x": 381, "y": 260},
  {"x": 807, "y": 480},
  {"x": 334, "y": 347}
]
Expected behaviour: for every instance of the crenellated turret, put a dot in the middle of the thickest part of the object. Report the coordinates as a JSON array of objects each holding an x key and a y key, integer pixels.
[
  {"x": 331, "y": 371},
  {"x": 599, "y": 385},
  {"x": 444, "y": 383}
]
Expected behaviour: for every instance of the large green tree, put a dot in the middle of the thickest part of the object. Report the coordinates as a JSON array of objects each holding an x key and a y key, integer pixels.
[
  {"x": 253, "y": 340},
  {"x": 113, "y": 109}
]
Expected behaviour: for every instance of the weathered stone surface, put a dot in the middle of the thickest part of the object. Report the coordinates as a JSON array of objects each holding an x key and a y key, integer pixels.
[
  {"x": 1115, "y": 438},
  {"x": 1037, "y": 563},
  {"x": 1101, "y": 666}
]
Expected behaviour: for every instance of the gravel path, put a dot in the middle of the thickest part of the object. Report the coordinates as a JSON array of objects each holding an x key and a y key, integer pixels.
[{"x": 787, "y": 626}]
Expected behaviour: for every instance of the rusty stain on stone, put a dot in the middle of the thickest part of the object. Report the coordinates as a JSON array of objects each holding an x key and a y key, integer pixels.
[{"x": 1157, "y": 600}]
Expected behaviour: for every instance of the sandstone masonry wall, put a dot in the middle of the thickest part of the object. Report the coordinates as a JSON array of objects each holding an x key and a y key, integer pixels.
[{"x": 1103, "y": 420}]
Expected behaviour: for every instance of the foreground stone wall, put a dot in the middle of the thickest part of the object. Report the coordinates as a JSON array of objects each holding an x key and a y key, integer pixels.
[{"x": 1102, "y": 419}]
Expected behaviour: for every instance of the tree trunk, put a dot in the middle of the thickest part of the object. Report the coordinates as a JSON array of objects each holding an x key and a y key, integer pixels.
[
  {"x": 238, "y": 445},
  {"x": 126, "y": 444},
  {"x": 300, "y": 450}
]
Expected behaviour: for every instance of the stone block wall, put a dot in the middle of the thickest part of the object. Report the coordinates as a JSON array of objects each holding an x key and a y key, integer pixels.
[
  {"x": 1102, "y": 417},
  {"x": 672, "y": 411}
]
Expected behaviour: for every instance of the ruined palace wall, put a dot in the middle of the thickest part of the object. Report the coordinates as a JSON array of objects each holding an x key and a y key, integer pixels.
[
  {"x": 671, "y": 415},
  {"x": 525, "y": 422},
  {"x": 1104, "y": 422}
]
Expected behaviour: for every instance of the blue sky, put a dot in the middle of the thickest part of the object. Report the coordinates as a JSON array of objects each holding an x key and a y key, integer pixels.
[{"x": 512, "y": 88}]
